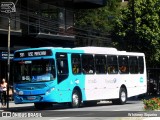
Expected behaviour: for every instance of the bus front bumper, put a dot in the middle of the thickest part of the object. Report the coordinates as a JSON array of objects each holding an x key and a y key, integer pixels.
[{"x": 33, "y": 99}]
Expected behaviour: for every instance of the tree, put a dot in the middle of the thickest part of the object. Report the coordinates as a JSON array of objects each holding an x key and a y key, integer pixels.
[
  {"x": 138, "y": 29},
  {"x": 93, "y": 25}
]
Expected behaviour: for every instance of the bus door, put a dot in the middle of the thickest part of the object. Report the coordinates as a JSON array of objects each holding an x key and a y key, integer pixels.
[{"x": 63, "y": 76}]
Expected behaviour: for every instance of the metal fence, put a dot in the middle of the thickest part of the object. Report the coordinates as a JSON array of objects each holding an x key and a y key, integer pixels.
[{"x": 153, "y": 81}]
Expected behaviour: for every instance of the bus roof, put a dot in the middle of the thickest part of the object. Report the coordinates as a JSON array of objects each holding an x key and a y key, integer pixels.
[
  {"x": 88, "y": 49},
  {"x": 106, "y": 50}
]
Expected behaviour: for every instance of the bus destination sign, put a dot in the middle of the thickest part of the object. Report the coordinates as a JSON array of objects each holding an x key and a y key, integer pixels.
[{"x": 34, "y": 53}]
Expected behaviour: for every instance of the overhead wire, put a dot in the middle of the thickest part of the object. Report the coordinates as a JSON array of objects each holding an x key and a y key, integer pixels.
[{"x": 53, "y": 25}]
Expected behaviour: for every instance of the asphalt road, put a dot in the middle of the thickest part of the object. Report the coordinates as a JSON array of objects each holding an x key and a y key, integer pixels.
[{"x": 102, "y": 111}]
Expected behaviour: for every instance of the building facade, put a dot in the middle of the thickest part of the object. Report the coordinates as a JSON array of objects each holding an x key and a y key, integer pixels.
[{"x": 38, "y": 23}]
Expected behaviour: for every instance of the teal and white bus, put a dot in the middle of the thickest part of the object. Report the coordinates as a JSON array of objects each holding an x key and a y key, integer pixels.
[{"x": 48, "y": 75}]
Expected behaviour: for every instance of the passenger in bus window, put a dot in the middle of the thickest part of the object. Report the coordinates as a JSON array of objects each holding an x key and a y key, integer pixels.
[
  {"x": 122, "y": 69},
  {"x": 111, "y": 70},
  {"x": 75, "y": 69},
  {"x": 90, "y": 71}
]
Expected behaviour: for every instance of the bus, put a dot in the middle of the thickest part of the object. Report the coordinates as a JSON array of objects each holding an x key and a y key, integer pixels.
[{"x": 76, "y": 76}]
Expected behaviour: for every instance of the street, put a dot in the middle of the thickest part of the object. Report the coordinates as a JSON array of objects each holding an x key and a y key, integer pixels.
[{"x": 102, "y": 111}]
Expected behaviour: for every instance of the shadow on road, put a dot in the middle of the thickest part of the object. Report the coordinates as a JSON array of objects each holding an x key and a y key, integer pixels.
[{"x": 59, "y": 107}]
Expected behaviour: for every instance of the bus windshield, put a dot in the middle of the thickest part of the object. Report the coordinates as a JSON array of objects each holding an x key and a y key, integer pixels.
[{"x": 34, "y": 71}]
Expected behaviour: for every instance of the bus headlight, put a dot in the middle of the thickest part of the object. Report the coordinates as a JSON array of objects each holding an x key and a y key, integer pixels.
[
  {"x": 18, "y": 92},
  {"x": 49, "y": 90}
]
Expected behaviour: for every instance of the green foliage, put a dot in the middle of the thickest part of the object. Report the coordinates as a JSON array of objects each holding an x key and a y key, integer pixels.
[
  {"x": 138, "y": 29},
  {"x": 98, "y": 20},
  {"x": 152, "y": 104}
]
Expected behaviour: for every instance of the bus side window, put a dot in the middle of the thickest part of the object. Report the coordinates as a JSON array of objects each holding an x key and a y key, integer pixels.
[
  {"x": 76, "y": 63},
  {"x": 88, "y": 64},
  {"x": 112, "y": 65},
  {"x": 141, "y": 65},
  {"x": 100, "y": 64},
  {"x": 123, "y": 64},
  {"x": 53, "y": 70},
  {"x": 62, "y": 66},
  {"x": 133, "y": 64}
]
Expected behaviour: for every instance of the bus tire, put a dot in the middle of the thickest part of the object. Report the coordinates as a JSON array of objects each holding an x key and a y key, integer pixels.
[
  {"x": 75, "y": 99},
  {"x": 122, "y": 97}
]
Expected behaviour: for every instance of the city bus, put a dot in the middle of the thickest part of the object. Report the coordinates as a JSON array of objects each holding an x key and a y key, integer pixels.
[{"x": 76, "y": 76}]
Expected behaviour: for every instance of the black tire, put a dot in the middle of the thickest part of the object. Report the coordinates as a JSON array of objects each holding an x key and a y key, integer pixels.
[
  {"x": 122, "y": 97},
  {"x": 76, "y": 99}
]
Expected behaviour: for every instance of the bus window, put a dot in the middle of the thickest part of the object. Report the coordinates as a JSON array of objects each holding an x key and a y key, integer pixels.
[
  {"x": 133, "y": 64},
  {"x": 62, "y": 66},
  {"x": 123, "y": 64},
  {"x": 88, "y": 64},
  {"x": 53, "y": 69},
  {"x": 34, "y": 71},
  {"x": 141, "y": 65},
  {"x": 100, "y": 63},
  {"x": 112, "y": 65},
  {"x": 76, "y": 63}
]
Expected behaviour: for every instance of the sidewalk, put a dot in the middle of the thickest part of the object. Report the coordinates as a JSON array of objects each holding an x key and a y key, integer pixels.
[{"x": 14, "y": 106}]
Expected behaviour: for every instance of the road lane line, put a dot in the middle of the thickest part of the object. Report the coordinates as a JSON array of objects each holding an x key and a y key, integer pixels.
[
  {"x": 120, "y": 110},
  {"x": 141, "y": 107},
  {"x": 60, "y": 118},
  {"x": 82, "y": 115}
]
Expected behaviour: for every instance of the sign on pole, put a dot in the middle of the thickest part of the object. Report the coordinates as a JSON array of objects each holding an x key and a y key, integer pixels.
[{"x": 8, "y": 7}]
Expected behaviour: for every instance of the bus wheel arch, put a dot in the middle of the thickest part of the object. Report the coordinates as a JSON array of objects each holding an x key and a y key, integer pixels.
[
  {"x": 122, "y": 96},
  {"x": 76, "y": 98}
]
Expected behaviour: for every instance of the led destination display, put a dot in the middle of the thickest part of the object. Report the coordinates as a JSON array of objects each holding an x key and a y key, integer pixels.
[{"x": 33, "y": 53}]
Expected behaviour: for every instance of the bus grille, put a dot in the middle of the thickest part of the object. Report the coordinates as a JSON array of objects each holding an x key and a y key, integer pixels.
[{"x": 31, "y": 86}]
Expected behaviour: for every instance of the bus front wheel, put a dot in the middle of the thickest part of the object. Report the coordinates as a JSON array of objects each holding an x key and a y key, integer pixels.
[{"x": 75, "y": 99}]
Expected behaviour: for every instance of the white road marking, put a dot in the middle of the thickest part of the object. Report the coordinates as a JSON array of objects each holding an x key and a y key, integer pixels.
[{"x": 60, "y": 118}]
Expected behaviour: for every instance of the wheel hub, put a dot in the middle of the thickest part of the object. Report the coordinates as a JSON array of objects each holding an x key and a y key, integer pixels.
[
  {"x": 75, "y": 99},
  {"x": 123, "y": 96}
]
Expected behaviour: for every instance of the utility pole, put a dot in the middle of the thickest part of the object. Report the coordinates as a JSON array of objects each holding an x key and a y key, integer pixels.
[
  {"x": 8, "y": 7},
  {"x": 8, "y": 61}
]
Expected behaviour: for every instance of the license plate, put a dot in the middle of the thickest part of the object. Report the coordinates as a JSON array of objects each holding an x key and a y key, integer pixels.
[{"x": 31, "y": 98}]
